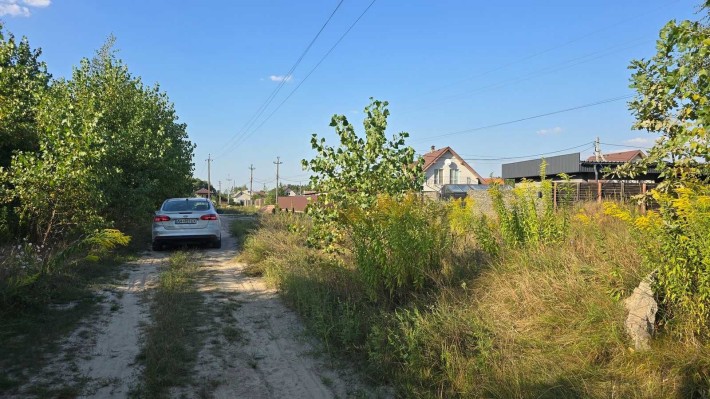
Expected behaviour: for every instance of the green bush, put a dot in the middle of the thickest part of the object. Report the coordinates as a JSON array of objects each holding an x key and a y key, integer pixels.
[{"x": 399, "y": 245}]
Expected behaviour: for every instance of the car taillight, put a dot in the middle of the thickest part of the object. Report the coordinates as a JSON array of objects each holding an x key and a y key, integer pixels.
[
  {"x": 209, "y": 217},
  {"x": 161, "y": 218}
]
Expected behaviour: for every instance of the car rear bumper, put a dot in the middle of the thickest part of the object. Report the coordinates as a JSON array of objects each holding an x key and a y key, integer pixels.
[{"x": 185, "y": 236}]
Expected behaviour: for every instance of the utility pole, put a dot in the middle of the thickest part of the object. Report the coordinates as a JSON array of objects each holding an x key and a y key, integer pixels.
[
  {"x": 277, "y": 163},
  {"x": 251, "y": 182},
  {"x": 229, "y": 180},
  {"x": 219, "y": 193},
  {"x": 598, "y": 156},
  {"x": 209, "y": 182}
]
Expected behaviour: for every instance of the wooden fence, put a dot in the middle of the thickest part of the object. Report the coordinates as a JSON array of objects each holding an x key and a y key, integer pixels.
[{"x": 565, "y": 193}]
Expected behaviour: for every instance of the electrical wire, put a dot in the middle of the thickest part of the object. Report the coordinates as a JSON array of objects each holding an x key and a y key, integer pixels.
[
  {"x": 281, "y": 84},
  {"x": 627, "y": 146},
  {"x": 531, "y": 155},
  {"x": 305, "y": 78},
  {"x": 600, "y": 102},
  {"x": 539, "y": 53},
  {"x": 571, "y": 63}
]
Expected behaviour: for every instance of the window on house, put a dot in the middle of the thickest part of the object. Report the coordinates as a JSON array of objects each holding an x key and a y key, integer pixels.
[
  {"x": 454, "y": 176},
  {"x": 438, "y": 176},
  {"x": 468, "y": 180}
]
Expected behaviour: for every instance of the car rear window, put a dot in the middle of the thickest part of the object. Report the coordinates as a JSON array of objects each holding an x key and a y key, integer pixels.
[{"x": 178, "y": 206}]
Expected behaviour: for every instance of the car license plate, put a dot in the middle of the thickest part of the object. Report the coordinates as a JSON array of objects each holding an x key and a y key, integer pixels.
[{"x": 185, "y": 221}]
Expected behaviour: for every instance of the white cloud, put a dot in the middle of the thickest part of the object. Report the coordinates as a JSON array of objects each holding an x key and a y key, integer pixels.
[
  {"x": 280, "y": 78},
  {"x": 639, "y": 141},
  {"x": 14, "y": 9},
  {"x": 549, "y": 132},
  {"x": 37, "y": 3}
]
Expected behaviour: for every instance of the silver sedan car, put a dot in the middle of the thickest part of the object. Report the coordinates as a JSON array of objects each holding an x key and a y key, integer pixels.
[{"x": 186, "y": 220}]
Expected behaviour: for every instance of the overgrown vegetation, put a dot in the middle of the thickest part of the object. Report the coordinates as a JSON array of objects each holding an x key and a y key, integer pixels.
[
  {"x": 442, "y": 300},
  {"x": 83, "y": 161},
  {"x": 398, "y": 245},
  {"x": 543, "y": 320},
  {"x": 527, "y": 221},
  {"x": 673, "y": 100},
  {"x": 678, "y": 254},
  {"x": 172, "y": 340},
  {"x": 240, "y": 228}
]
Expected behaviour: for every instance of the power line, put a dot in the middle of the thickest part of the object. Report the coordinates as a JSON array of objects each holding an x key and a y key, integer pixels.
[
  {"x": 285, "y": 79},
  {"x": 570, "y": 63},
  {"x": 533, "y": 55},
  {"x": 587, "y": 145},
  {"x": 600, "y": 102},
  {"x": 306, "y": 77},
  {"x": 627, "y": 146}
]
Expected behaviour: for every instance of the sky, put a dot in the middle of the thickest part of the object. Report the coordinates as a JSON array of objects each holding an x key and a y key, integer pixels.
[{"x": 488, "y": 79}]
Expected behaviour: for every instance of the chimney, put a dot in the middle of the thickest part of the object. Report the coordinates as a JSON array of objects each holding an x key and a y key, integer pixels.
[{"x": 433, "y": 148}]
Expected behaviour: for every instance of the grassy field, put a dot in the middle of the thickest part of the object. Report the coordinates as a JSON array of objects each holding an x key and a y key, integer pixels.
[{"x": 540, "y": 321}]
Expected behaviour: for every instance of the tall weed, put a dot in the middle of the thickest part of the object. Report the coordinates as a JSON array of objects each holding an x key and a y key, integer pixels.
[
  {"x": 534, "y": 321},
  {"x": 398, "y": 245},
  {"x": 676, "y": 244},
  {"x": 530, "y": 218}
]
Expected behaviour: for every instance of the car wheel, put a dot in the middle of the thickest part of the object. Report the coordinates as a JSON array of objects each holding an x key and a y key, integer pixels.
[
  {"x": 217, "y": 243},
  {"x": 157, "y": 246}
]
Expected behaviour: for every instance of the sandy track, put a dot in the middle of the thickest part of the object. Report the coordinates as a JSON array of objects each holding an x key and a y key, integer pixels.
[
  {"x": 98, "y": 360},
  {"x": 113, "y": 356},
  {"x": 254, "y": 346}
]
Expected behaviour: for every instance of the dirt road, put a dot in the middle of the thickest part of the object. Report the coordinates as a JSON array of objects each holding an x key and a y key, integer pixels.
[{"x": 254, "y": 346}]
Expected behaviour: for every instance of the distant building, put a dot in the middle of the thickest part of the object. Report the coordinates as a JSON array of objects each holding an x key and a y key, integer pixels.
[
  {"x": 203, "y": 192},
  {"x": 296, "y": 203},
  {"x": 623, "y": 156},
  {"x": 242, "y": 198},
  {"x": 447, "y": 174},
  {"x": 578, "y": 170}
]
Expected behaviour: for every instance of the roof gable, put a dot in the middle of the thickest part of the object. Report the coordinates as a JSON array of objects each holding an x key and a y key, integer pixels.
[{"x": 431, "y": 157}]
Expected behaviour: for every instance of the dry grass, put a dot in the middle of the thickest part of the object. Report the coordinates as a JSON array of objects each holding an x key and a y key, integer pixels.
[{"x": 537, "y": 322}]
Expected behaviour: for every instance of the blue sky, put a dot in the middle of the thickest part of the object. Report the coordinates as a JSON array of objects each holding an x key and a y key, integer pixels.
[{"x": 444, "y": 66}]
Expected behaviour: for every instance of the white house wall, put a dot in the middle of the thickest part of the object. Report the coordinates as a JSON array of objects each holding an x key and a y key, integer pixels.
[{"x": 440, "y": 163}]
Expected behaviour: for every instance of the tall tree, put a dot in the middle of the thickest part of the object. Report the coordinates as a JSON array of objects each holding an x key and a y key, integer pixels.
[
  {"x": 110, "y": 150},
  {"x": 23, "y": 82},
  {"x": 673, "y": 100},
  {"x": 359, "y": 169},
  {"x": 146, "y": 155}
]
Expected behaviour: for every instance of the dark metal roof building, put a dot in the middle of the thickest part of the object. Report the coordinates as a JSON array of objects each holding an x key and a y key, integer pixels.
[{"x": 569, "y": 164}]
